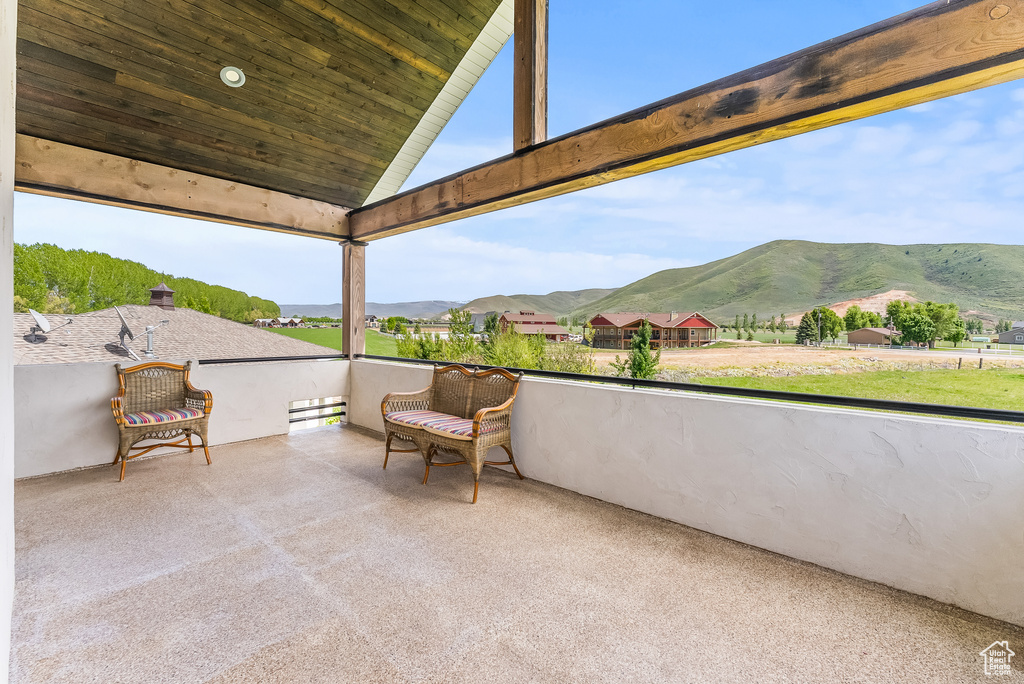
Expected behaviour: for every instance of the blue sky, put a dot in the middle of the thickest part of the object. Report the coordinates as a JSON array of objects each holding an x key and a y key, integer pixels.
[{"x": 947, "y": 171}]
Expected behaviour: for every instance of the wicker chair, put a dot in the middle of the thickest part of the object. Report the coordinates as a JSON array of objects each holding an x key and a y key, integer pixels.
[
  {"x": 156, "y": 401},
  {"x": 463, "y": 413}
]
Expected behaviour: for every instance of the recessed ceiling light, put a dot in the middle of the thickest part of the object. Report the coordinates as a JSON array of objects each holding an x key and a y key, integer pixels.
[{"x": 232, "y": 76}]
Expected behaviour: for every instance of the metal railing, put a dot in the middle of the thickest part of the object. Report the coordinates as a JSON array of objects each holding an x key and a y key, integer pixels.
[
  {"x": 318, "y": 416},
  {"x": 267, "y": 359},
  {"x": 971, "y": 412}
]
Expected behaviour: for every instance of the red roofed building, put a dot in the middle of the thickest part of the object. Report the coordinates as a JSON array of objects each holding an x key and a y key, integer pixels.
[
  {"x": 532, "y": 323},
  {"x": 668, "y": 330}
]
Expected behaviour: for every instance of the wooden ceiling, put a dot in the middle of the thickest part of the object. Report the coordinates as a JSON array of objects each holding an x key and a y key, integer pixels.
[{"x": 333, "y": 87}]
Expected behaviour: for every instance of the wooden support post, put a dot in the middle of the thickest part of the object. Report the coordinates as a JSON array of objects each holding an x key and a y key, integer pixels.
[
  {"x": 353, "y": 299},
  {"x": 530, "y": 74}
]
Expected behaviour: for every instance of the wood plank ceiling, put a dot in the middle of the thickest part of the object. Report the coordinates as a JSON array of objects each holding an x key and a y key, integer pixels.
[{"x": 333, "y": 87}]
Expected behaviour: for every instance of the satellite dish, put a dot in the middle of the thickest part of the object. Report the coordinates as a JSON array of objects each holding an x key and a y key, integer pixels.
[
  {"x": 126, "y": 332},
  {"x": 42, "y": 326},
  {"x": 41, "y": 322}
]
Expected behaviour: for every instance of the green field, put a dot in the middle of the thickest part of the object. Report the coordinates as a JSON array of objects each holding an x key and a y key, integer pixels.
[
  {"x": 376, "y": 344},
  {"x": 993, "y": 388}
]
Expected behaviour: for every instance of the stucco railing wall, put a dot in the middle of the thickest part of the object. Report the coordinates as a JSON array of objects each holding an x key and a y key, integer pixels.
[
  {"x": 931, "y": 506},
  {"x": 62, "y": 411}
]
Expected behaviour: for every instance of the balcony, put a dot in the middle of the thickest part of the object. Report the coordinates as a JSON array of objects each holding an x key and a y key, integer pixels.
[{"x": 659, "y": 536}]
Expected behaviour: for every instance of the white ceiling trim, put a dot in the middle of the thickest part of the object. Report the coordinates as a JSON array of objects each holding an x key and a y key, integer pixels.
[{"x": 480, "y": 55}]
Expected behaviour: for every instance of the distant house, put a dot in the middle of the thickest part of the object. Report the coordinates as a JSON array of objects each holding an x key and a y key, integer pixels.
[
  {"x": 668, "y": 330},
  {"x": 872, "y": 336},
  {"x": 533, "y": 323},
  {"x": 371, "y": 321},
  {"x": 1014, "y": 335},
  {"x": 278, "y": 323}
]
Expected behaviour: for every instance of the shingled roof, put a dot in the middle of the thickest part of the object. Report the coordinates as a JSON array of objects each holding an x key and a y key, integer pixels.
[{"x": 92, "y": 338}]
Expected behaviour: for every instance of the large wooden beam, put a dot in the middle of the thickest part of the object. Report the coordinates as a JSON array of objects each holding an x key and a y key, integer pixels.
[
  {"x": 353, "y": 299},
  {"x": 942, "y": 49},
  {"x": 530, "y": 73},
  {"x": 50, "y": 168}
]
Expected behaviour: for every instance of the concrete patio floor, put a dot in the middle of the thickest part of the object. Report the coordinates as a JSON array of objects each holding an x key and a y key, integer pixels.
[{"x": 298, "y": 559}]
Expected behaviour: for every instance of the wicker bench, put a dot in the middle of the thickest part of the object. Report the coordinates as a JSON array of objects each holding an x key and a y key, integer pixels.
[
  {"x": 463, "y": 412},
  {"x": 156, "y": 401}
]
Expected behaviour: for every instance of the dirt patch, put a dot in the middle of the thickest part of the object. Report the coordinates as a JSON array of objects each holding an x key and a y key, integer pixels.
[
  {"x": 875, "y": 303},
  {"x": 754, "y": 355}
]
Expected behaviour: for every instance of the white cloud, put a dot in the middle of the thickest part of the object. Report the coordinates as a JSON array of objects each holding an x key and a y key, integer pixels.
[{"x": 440, "y": 263}]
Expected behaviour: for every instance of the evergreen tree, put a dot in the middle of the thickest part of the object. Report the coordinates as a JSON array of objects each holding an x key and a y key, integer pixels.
[
  {"x": 807, "y": 330},
  {"x": 639, "y": 362}
]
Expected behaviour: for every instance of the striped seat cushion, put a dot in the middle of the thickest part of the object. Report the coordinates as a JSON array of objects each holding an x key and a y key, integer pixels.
[
  {"x": 438, "y": 423},
  {"x": 165, "y": 416}
]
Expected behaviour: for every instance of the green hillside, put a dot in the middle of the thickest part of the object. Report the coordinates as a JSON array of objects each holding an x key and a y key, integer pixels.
[
  {"x": 789, "y": 276},
  {"x": 53, "y": 280},
  {"x": 557, "y": 303}
]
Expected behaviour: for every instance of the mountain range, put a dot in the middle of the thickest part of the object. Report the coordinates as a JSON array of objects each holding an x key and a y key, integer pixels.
[
  {"x": 789, "y": 276},
  {"x": 780, "y": 277}
]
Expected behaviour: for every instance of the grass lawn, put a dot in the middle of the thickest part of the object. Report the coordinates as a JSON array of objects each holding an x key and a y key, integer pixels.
[
  {"x": 377, "y": 344},
  {"x": 788, "y": 337},
  {"x": 996, "y": 388}
]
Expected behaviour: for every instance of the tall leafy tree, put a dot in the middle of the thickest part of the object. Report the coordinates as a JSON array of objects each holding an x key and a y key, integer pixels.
[
  {"x": 917, "y": 327},
  {"x": 958, "y": 332},
  {"x": 746, "y": 322}
]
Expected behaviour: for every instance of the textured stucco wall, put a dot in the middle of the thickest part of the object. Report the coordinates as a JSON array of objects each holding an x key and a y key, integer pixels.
[
  {"x": 931, "y": 506},
  {"x": 63, "y": 420},
  {"x": 8, "y": 27}
]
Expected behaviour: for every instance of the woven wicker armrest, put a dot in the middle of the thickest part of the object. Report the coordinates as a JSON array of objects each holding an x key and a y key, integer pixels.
[
  {"x": 117, "y": 407},
  {"x": 499, "y": 415},
  {"x": 197, "y": 398},
  {"x": 406, "y": 401}
]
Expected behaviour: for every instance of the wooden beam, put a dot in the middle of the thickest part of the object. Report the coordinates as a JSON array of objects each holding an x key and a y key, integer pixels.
[
  {"x": 938, "y": 50},
  {"x": 353, "y": 299},
  {"x": 49, "y": 168},
  {"x": 530, "y": 73}
]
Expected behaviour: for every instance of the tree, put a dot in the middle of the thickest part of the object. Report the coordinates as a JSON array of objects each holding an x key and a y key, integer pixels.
[
  {"x": 750, "y": 336},
  {"x": 854, "y": 318},
  {"x": 461, "y": 342},
  {"x": 944, "y": 316},
  {"x": 895, "y": 311},
  {"x": 563, "y": 321},
  {"x": 829, "y": 322},
  {"x": 491, "y": 325},
  {"x": 588, "y": 333},
  {"x": 917, "y": 327},
  {"x": 783, "y": 326},
  {"x": 753, "y": 322},
  {"x": 773, "y": 325},
  {"x": 737, "y": 326},
  {"x": 957, "y": 333},
  {"x": 384, "y": 326},
  {"x": 639, "y": 362},
  {"x": 746, "y": 322},
  {"x": 807, "y": 331}
]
